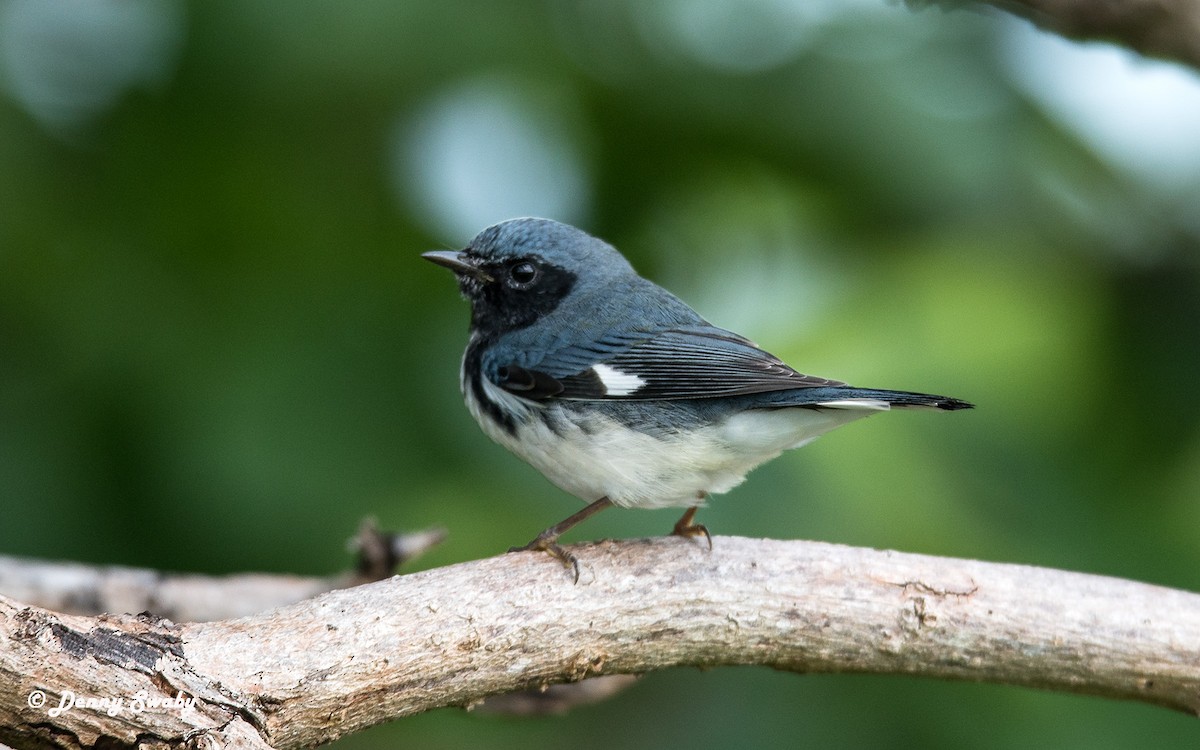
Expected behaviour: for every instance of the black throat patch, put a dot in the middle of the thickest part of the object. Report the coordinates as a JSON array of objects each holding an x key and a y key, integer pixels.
[{"x": 497, "y": 308}]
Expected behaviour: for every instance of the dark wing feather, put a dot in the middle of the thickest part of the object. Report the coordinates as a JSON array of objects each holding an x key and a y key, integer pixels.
[
  {"x": 678, "y": 363},
  {"x": 528, "y": 383}
]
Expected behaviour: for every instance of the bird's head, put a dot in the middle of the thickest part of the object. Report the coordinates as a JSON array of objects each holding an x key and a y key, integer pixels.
[{"x": 519, "y": 271}]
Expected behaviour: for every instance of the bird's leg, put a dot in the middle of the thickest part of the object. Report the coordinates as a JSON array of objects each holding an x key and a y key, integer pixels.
[
  {"x": 547, "y": 541},
  {"x": 685, "y": 527}
]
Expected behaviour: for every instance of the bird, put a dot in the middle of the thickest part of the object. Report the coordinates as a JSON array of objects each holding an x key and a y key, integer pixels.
[{"x": 616, "y": 390}]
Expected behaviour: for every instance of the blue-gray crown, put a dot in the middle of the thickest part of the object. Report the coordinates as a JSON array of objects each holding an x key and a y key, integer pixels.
[{"x": 557, "y": 243}]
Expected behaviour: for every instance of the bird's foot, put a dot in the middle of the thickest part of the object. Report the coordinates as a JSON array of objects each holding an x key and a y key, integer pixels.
[
  {"x": 548, "y": 543},
  {"x": 685, "y": 527}
]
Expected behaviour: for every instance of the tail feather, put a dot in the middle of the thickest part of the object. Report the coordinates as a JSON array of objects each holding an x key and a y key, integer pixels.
[
  {"x": 902, "y": 399},
  {"x": 872, "y": 399}
]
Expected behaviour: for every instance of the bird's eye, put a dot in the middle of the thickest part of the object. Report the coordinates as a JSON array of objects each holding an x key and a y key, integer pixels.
[{"x": 522, "y": 273}]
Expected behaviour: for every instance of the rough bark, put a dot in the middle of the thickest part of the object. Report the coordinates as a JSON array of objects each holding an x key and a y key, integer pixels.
[
  {"x": 314, "y": 671},
  {"x": 77, "y": 588}
]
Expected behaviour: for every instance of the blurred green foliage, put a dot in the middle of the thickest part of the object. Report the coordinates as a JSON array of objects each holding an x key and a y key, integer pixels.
[{"x": 219, "y": 349}]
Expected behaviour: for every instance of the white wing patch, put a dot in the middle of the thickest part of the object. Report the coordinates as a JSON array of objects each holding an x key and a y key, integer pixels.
[
  {"x": 615, "y": 382},
  {"x": 872, "y": 404}
]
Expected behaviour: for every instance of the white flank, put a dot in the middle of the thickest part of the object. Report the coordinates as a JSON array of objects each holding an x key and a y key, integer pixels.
[
  {"x": 591, "y": 455},
  {"x": 615, "y": 382}
]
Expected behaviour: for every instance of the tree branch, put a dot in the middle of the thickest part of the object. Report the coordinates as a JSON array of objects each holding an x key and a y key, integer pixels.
[
  {"x": 1167, "y": 29},
  {"x": 317, "y": 670},
  {"x": 76, "y": 588}
]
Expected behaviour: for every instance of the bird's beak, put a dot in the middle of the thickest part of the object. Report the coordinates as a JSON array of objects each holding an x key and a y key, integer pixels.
[{"x": 457, "y": 262}]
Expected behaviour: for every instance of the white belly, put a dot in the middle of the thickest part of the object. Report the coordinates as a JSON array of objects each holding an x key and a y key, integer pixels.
[{"x": 638, "y": 469}]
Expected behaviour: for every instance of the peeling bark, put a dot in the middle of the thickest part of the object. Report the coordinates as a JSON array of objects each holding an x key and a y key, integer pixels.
[{"x": 317, "y": 670}]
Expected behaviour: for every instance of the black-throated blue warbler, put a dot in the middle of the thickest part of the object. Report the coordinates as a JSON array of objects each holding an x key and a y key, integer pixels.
[{"x": 617, "y": 391}]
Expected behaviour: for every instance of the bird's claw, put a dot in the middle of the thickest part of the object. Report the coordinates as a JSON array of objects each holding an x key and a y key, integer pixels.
[
  {"x": 685, "y": 528},
  {"x": 550, "y": 546},
  {"x": 692, "y": 529}
]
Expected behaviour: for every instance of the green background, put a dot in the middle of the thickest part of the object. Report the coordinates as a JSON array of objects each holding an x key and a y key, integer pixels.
[{"x": 219, "y": 349}]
